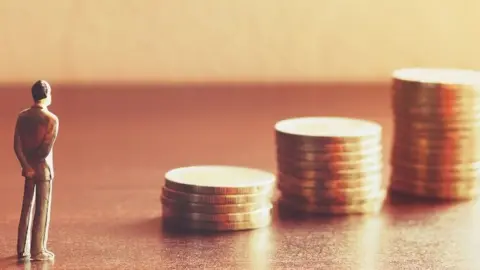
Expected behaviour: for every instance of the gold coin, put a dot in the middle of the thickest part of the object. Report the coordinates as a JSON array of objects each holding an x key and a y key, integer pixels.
[
  {"x": 435, "y": 184},
  {"x": 286, "y": 142},
  {"x": 258, "y": 214},
  {"x": 436, "y": 123},
  {"x": 419, "y": 125},
  {"x": 331, "y": 157},
  {"x": 417, "y": 171},
  {"x": 320, "y": 130},
  {"x": 461, "y": 167},
  {"x": 435, "y": 143},
  {"x": 213, "y": 208},
  {"x": 370, "y": 207},
  {"x": 449, "y": 149},
  {"x": 443, "y": 119},
  {"x": 434, "y": 179},
  {"x": 424, "y": 152},
  {"x": 338, "y": 174},
  {"x": 453, "y": 111},
  {"x": 435, "y": 80},
  {"x": 410, "y": 188},
  {"x": 402, "y": 100},
  {"x": 440, "y": 107},
  {"x": 339, "y": 148},
  {"x": 414, "y": 125},
  {"x": 437, "y": 153},
  {"x": 433, "y": 158},
  {"x": 320, "y": 201},
  {"x": 430, "y": 93},
  {"x": 328, "y": 193},
  {"x": 331, "y": 196},
  {"x": 328, "y": 183},
  {"x": 217, "y": 199},
  {"x": 432, "y": 140},
  {"x": 407, "y": 134},
  {"x": 440, "y": 174},
  {"x": 434, "y": 97},
  {"x": 467, "y": 148},
  {"x": 221, "y": 226},
  {"x": 411, "y": 110},
  {"x": 410, "y": 97},
  {"x": 219, "y": 180},
  {"x": 328, "y": 166},
  {"x": 430, "y": 160}
]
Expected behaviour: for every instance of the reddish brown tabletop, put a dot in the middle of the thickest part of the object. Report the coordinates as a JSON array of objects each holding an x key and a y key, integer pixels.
[{"x": 116, "y": 143}]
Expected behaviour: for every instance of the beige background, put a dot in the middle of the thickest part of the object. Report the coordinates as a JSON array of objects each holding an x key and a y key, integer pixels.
[{"x": 233, "y": 40}]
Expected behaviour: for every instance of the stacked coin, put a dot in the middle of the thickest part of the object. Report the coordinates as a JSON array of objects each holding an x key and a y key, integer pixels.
[
  {"x": 330, "y": 165},
  {"x": 437, "y": 123},
  {"x": 217, "y": 198}
]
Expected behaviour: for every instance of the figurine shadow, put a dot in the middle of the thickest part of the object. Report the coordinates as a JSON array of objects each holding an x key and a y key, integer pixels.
[
  {"x": 142, "y": 228},
  {"x": 396, "y": 200},
  {"x": 286, "y": 213},
  {"x": 12, "y": 261},
  {"x": 400, "y": 207},
  {"x": 162, "y": 228},
  {"x": 393, "y": 208},
  {"x": 174, "y": 228}
]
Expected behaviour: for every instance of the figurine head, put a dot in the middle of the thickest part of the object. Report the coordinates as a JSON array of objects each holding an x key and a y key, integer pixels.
[{"x": 42, "y": 93}]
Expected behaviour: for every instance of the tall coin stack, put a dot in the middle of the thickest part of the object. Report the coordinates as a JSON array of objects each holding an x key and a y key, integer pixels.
[
  {"x": 217, "y": 198},
  {"x": 436, "y": 149},
  {"x": 330, "y": 165}
]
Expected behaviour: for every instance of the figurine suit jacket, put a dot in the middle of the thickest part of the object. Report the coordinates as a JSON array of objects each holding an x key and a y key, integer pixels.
[{"x": 35, "y": 134}]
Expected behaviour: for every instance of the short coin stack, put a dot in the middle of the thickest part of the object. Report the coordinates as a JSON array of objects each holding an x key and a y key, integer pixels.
[
  {"x": 330, "y": 165},
  {"x": 436, "y": 149},
  {"x": 217, "y": 198}
]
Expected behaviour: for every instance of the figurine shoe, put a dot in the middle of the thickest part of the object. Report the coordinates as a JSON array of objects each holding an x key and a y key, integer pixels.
[
  {"x": 23, "y": 257},
  {"x": 43, "y": 256},
  {"x": 50, "y": 253}
]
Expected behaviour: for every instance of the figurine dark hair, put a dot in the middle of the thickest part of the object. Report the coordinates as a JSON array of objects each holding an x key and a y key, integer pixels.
[{"x": 40, "y": 90}]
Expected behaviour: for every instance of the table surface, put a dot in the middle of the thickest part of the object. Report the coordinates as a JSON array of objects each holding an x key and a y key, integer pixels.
[{"x": 116, "y": 143}]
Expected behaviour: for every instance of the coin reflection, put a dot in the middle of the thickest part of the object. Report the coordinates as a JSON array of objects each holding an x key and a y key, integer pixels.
[
  {"x": 37, "y": 265},
  {"x": 259, "y": 246},
  {"x": 473, "y": 233},
  {"x": 253, "y": 249},
  {"x": 368, "y": 242}
]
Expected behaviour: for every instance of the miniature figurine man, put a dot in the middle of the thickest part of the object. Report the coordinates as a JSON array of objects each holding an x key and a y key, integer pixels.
[{"x": 35, "y": 134}]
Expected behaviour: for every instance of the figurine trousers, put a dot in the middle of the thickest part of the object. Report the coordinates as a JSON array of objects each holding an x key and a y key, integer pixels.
[{"x": 39, "y": 194}]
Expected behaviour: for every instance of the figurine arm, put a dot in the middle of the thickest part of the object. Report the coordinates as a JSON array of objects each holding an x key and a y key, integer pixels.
[
  {"x": 17, "y": 146},
  {"x": 46, "y": 146}
]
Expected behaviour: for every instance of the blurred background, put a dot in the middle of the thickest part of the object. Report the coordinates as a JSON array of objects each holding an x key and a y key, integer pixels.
[{"x": 218, "y": 40}]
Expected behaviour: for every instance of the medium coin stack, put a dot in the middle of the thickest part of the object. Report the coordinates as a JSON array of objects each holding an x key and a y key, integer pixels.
[
  {"x": 436, "y": 149},
  {"x": 217, "y": 198},
  {"x": 330, "y": 165}
]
